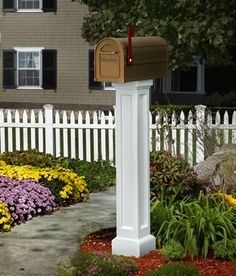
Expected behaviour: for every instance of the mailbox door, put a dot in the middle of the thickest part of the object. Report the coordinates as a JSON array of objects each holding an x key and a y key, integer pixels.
[{"x": 107, "y": 64}]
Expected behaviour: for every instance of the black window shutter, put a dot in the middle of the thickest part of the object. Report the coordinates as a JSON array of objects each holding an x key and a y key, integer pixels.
[
  {"x": 49, "y": 5},
  {"x": 9, "y": 5},
  {"x": 49, "y": 69},
  {"x": 9, "y": 69},
  {"x": 93, "y": 85}
]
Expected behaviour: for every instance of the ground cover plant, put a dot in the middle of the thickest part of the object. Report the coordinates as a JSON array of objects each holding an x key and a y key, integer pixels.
[
  {"x": 33, "y": 183},
  {"x": 172, "y": 176},
  {"x": 98, "y": 264},
  {"x": 66, "y": 186},
  {"x": 175, "y": 269},
  {"x": 5, "y": 217},
  {"x": 186, "y": 210},
  {"x": 99, "y": 175},
  {"x": 25, "y": 198}
]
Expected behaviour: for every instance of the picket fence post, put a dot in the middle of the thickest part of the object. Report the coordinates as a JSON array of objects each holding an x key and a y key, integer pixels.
[
  {"x": 49, "y": 147},
  {"x": 200, "y": 132}
]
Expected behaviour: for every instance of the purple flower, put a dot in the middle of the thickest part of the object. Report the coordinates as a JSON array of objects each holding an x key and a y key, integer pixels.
[{"x": 25, "y": 198}]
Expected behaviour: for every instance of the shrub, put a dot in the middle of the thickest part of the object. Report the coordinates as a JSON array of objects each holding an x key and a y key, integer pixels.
[
  {"x": 171, "y": 175},
  {"x": 25, "y": 198},
  {"x": 173, "y": 250},
  {"x": 99, "y": 175},
  {"x": 196, "y": 224},
  {"x": 65, "y": 185},
  {"x": 5, "y": 217},
  {"x": 28, "y": 157},
  {"x": 73, "y": 188},
  {"x": 174, "y": 269},
  {"x": 224, "y": 249},
  {"x": 98, "y": 264}
]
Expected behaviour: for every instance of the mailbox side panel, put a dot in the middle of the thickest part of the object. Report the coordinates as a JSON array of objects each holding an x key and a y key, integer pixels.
[{"x": 149, "y": 62}]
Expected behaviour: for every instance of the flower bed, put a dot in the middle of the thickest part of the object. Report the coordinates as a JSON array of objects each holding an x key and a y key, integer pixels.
[{"x": 27, "y": 191}]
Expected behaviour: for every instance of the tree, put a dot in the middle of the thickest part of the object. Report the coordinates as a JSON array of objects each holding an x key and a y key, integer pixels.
[{"x": 191, "y": 27}]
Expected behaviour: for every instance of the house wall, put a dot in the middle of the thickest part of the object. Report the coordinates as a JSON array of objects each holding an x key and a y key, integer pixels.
[{"x": 60, "y": 31}]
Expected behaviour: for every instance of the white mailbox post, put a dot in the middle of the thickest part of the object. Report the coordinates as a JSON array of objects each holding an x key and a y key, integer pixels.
[
  {"x": 131, "y": 64},
  {"x": 132, "y": 166}
]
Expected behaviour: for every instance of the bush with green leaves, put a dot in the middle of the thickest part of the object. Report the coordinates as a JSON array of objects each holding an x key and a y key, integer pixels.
[
  {"x": 173, "y": 250},
  {"x": 99, "y": 175},
  {"x": 98, "y": 264},
  {"x": 175, "y": 269},
  {"x": 171, "y": 175},
  {"x": 224, "y": 249},
  {"x": 28, "y": 157},
  {"x": 197, "y": 224}
]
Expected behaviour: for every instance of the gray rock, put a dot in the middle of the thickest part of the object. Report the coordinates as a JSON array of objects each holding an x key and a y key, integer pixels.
[{"x": 219, "y": 169}]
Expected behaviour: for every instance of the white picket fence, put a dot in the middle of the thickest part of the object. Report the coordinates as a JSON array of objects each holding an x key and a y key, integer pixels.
[{"x": 91, "y": 135}]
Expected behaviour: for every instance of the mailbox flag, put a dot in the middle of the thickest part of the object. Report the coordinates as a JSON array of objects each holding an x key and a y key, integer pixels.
[{"x": 131, "y": 33}]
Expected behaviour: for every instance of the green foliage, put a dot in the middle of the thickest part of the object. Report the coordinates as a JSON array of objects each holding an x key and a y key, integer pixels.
[
  {"x": 225, "y": 249},
  {"x": 195, "y": 224},
  {"x": 175, "y": 269},
  {"x": 170, "y": 108},
  {"x": 98, "y": 264},
  {"x": 190, "y": 27},
  {"x": 173, "y": 250},
  {"x": 172, "y": 176},
  {"x": 99, "y": 175},
  {"x": 28, "y": 157},
  {"x": 221, "y": 99}
]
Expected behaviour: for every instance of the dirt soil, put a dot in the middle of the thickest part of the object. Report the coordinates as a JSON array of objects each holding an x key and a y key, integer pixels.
[{"x": 101, "y": 242}]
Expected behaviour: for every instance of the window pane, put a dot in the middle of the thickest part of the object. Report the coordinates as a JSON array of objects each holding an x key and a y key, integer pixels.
[
  {"x": 28, "y": 78},
  {"x": 28, "y": 4},
  {"x": 28, "y": 60}
]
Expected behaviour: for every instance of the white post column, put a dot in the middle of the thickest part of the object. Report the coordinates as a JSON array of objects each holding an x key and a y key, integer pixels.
[{"x": 132, "y": 166}]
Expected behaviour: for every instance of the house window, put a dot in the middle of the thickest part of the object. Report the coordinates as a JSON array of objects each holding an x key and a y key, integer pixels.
[
  {"x": 30, "y": 5},
  {"x": 29, "y": 68}
]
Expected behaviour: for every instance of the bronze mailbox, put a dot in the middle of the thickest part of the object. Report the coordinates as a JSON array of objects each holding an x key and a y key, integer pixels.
[{"x": 150, "y": 59}]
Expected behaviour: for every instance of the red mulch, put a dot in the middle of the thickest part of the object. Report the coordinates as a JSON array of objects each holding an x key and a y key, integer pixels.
[{"x": 101, "y": 242}]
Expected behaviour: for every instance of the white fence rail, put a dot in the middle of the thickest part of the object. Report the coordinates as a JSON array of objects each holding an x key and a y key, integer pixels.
[{"x": 91, "y": 135}]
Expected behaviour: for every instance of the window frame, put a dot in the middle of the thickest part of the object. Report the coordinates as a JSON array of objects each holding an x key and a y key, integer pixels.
[
  {"x": 30, "y": 50},
  {"x": 40, "y": 9}
]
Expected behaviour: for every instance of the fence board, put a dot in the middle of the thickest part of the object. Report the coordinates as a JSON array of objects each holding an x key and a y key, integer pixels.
[
  {"x": 40, "y": 132},
  {"x": 88, "y": 137},
  {"x": 9, "y": 134},
  {"x": 182, "y": 134},
  {"x": 190, "y": 138},
  {"x": 174, "y": 133},
  {"x": 80, "y": 136},
  {"x": 25, "y": 130},
  {"x": 103, "y": 137},
  {"x": 57, "y": 135},
  {"x": 17, "y": 130},
  {"x": 95, "y": 136},
  {"x": 65, "y": 134},
  {"x": 226, "y": 131},
  {"x": 32, "y": 130},
  {"x": 72, "y": 135}
]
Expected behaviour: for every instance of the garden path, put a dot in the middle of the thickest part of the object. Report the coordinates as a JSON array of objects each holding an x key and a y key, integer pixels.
[{"x": 38, "y": 246}]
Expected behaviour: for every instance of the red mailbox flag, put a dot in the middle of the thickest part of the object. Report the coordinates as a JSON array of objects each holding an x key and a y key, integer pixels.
[{"x": 131, "y": 33}]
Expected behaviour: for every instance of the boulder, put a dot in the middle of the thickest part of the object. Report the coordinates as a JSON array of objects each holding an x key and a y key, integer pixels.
[{"x": 220, "y": 169}]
